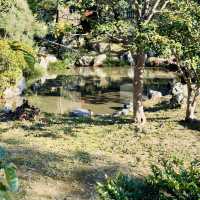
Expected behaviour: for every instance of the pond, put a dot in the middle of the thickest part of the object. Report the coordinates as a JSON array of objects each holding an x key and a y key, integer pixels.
[{"x": 102, "y": 90}]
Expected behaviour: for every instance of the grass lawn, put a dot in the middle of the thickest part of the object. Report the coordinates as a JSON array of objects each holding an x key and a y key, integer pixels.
[{"x": 60, "y": 158}]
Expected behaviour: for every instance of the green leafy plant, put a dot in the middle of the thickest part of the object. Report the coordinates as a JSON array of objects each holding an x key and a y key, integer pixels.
[
  {"x": 174, "y": 181},
  {"x": 15, "y": 57},
  {"x": 9, "y": 183},
  {"x": 121, "y": 187},
  {"x": 169, "y": 181}
]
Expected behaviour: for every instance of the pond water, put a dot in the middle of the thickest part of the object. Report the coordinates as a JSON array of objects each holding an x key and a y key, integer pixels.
[{"x": 102, "y": 90}]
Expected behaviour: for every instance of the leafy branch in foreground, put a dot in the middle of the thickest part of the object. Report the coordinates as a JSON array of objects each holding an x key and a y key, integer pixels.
[
  {"x": 169, "y": 181},
  {"x": 9, "y": 183}
]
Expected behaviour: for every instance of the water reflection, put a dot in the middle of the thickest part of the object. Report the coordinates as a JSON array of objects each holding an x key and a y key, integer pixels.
[{"x": 102, "y": 90}]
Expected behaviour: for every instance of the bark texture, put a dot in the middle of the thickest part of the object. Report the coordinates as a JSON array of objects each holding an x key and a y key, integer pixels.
[
  {"x": 138, "y": 109},
  {"x": 191, "y": 103}
]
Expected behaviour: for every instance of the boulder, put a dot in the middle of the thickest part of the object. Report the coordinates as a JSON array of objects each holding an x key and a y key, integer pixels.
[
  {"x": 101, "y": 47},
  {"x": 23, "y": 112},
  {"x": 169, "y": 63},
  {"x": 82, "y": 42},
  {"x": 85, "y": 61},
  {"x": 74, "y": 44},
  {"x": 80, "y": 113},
  {"x": 154, "y": 94},
  {"x": 127, "y": 57},
  {"x": 21, "y": 84},
  {"x": 99, "y": 60},
  {"x": 46, "y": 59},
  {"x": 43, "y": 50},
  {"x": 179, "y": 94},
  {"x": 15, "y": 91},
  {"x": 115, "y": 58},
  {"x": 128, "y": 105},
  {"x": 10, "y": 93},
  {"x": 116, "y": 47}
]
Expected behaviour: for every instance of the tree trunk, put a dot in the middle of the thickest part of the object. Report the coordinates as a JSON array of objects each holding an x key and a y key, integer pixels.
[
  {"x": 138, "y": 110},
  {"x": 191, "y": 104}
]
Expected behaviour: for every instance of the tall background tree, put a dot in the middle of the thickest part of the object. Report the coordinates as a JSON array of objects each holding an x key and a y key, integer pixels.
[
  {"x": 135, "y": 23},
  {"x": 18, "y": 27},
  {"x": 183, "y": 28}
]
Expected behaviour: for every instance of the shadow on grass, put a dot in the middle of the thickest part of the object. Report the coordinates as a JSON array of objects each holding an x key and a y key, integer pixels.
[
  {"x": 3, "y": 130},
  {"x": 51, "y": 125},
  {"x": 164, "y": 105},
  {"x": 83, "y": 156},
  {"x": 88, "y": 178},
  {"x": 193, "y": 125},
  {"x": 97, "y": 120}
]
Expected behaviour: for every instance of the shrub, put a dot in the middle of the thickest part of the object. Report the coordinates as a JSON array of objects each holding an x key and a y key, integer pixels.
[
  {"x": 65, "y": 64},
  {"x": 14, "y": 58},
  {"x": 32, "y": 74},
  {"x": 174, "y": 181},
  {"x": 121, "y": 187},
  {"x": 110, "y": 62},
  {"x": 9, "y": 182},
  {"x": 58, "y": 66},
  {"x": 170, "y": 181}
]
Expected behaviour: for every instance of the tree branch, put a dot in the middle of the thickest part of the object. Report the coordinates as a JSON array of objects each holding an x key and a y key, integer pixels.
[
  {"x": 153, "y": 10},
  {"x": 164, "y": 5},
  {"x": 156, "y": 10},
  {"x": 138, "y": 9},
  {"x": 146, "y": 8}
]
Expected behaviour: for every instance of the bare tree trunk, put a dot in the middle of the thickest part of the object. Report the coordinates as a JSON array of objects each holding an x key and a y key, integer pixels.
[
  {"x": 191, "y": 104},
  {"x": 139, "y": 116}
]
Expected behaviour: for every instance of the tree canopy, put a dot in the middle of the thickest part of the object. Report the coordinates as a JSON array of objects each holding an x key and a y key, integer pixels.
[{"x": 17, "y": 21}]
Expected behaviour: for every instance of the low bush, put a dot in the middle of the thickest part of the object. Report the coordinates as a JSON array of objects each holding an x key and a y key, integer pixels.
[
  {"x": 58, "y": 66},
  {"x": 9, "y": 182},
  {"x": 169, "y": 181},
  {"x": 110, "y": 62}
]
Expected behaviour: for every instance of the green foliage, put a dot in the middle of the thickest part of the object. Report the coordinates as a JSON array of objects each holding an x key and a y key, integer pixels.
[
  {"x": 170, "y": 181},
  {"x": 17, "y": 21},
  {"x": 174, "y": 181},
  {"x": 61, "y": 28},
  {"x": 45, "y": 10},
  {"x": 58, "y": 66},
  {"x": 14, "y": 58},
  {"x": 183, "y": 28},
  {"x": 121, "y": 187},
  {"x": 65, "y": 64},
  {"x": 33, "y": 73},
  {"x": 9, "y": 183},
  {"x": 110, "y": 62}
]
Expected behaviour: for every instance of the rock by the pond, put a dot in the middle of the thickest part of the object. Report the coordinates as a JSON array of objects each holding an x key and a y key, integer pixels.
[
  {"x": 154, "y": 94},
  {"x": 128, "y": 105},
  {"x": 99, "y": 60},
  {"x": 179, "y": 93},
  {"x": 82, "y": 42},
  {"x": 85, "y": 61},
  {"x": 17, "y": 90},
  {"x": 81, "y": 113},
  {"x": 127, "y": 108},
  {"x": 46, "y": 59},
  {"x": 127, "y": 57},
  {"x": 7, "y": 109},
  {"x": 10, "y": 93},
  {"x": 23, "y": 112},
  {"x": 123, "y": 112},
  {"x": 21, "y": 84},
  {"x": 43, "y": 50},
  {"x": 101, "y": 47}
]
